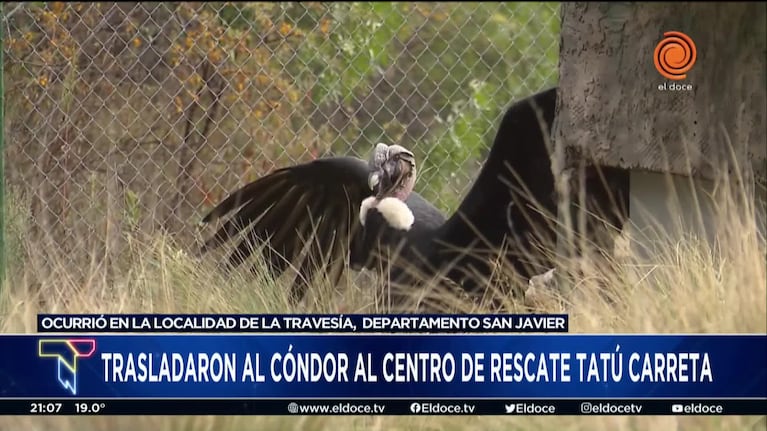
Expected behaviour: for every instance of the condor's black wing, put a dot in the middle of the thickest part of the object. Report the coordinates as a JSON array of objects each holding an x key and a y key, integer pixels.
[
  {"x": 306, "y": 216},
  {"x": 513, "y": 196}
]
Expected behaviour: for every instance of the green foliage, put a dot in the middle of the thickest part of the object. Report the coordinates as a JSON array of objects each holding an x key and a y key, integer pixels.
[
  {"x": 463, "y": 139},
  {"x": 469, "y": 61},
  {"x": 279, "y": 82},
  {"x": 360, "y": 46}
]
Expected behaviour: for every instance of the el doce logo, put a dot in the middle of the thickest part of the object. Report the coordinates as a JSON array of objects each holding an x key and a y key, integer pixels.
[{"x": 675, "y": 55}]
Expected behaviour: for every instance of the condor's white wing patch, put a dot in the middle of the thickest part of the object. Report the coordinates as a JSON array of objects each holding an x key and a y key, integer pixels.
[{"x": 394, "y": 211}]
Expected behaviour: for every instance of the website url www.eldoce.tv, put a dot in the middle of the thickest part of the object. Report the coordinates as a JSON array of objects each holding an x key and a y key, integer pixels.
[{"x": 337, "y": 408}]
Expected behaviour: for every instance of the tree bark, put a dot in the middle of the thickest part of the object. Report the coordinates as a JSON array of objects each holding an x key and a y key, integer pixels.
[{"x": 611, "y": 111}]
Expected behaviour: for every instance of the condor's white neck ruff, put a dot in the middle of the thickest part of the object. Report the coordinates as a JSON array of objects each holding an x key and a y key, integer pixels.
[{"x": 395, "y": 212}]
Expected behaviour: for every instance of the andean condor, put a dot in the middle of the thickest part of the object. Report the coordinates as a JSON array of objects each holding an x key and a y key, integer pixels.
[{"x": 366, "y": 213}]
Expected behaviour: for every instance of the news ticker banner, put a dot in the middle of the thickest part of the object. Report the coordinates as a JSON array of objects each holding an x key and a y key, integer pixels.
[
  {"x": 275, "y": 407},
  {"x": 424, "y": 366},
  {"x": 301, "y": 323}
]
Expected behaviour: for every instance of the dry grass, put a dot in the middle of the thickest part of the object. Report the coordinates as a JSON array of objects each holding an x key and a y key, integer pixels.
[{"x": 688, "y": 286}]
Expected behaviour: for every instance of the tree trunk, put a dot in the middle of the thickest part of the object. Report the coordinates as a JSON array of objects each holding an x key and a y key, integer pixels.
[
  {"x": 612, "y": 112},
  {"x": 616, "y": 110}
]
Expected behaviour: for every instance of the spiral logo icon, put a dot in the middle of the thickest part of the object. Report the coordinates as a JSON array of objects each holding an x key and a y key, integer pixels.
[
  {"x": 293, "y": 408},
  {"x": 675, "y": 55}
]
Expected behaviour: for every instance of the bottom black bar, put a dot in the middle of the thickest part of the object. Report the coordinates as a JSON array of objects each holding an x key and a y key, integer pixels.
[{"x": 272, "y": 407}]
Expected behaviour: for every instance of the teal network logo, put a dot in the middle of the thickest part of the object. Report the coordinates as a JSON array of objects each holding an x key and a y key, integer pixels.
[{"x": 67, "y": 353}]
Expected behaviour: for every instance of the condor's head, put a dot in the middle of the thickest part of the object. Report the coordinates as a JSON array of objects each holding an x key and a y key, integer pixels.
[
  {"x": 391, "y": 179},
  {"x": 392, "y": 172}
]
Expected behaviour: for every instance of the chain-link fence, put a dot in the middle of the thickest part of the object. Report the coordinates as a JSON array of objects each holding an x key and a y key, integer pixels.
[{"x": 125, "y": 117}]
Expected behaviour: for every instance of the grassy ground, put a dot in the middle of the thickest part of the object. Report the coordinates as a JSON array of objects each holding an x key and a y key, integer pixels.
[{"x": 688, "y": 286}]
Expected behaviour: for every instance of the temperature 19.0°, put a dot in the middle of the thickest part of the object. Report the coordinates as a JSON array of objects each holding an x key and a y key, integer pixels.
[{"x": 92, "y": 408}]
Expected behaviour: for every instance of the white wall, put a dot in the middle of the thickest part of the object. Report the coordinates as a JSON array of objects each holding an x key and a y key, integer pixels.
[{"x": 673, "y": 205}]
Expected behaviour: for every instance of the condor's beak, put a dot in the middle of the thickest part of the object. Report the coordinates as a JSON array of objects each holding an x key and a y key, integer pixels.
[
  {"x": 388, "y": 178},
  {"x": 392, "y": 171},
  {"x": 396, "y": 177}
]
